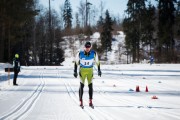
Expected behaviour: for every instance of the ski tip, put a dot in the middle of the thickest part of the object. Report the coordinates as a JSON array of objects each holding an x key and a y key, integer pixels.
[{"x": 82, "y": 107}]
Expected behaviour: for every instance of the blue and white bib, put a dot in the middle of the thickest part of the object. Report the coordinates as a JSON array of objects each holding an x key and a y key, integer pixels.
[{"x": 86, "y": 61}]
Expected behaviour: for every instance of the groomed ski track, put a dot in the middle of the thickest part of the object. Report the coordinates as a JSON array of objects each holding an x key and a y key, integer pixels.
[{"x": 51, "y": 93}]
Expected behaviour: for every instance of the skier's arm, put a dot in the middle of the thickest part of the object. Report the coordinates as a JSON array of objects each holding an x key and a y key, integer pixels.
[
  {"x": 99, "y": 68},
  {"x": 76, "y": 63},
  {"x": 19, "y": 64},
  {"x": 98, "y": 64},
  {"x": 97, "y": 60},
  {"x": 13, "y": 63},
  {"x": 75, "y": 67}
]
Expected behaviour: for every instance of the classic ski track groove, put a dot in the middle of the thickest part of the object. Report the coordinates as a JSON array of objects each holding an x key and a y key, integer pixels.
[
  {"x": 75, "y": 98},
  {"x": 75, "y": 101},
  {"x": 86, "y": 106},
  {"x": 27, "y": 103},
  {"x": 105, "y": 115}
]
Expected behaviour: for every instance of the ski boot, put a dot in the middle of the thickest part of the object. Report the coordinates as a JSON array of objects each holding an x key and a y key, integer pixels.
[
  {"x": 81, "y": 104},
  {"x": 91, "y": 104}
]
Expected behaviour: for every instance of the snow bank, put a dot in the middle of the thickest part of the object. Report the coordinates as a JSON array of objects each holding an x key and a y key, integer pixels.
[
  {"x": 96, "y": 35},
  {"x": 5, "y": 65}
]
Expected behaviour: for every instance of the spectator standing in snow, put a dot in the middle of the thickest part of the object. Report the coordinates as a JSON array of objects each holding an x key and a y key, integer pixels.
[
  {"x": 85, "y": 60},
  {"x": 16, "y": 65}
]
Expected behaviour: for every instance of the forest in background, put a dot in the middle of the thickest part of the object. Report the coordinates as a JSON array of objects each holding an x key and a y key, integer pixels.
[{"x": 36, "y": 33}]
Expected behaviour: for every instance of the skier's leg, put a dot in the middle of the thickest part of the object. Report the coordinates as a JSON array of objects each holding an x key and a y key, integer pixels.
[
  {"x": 90, "y": 75},
  {"x": 82, "y": 81},
  {"x": 81, "y": 91},
  {"x": 90, "y": 85},
  {"x": 82, "y": 75},
  {"x": 90, "y": 91},
  {"x": 15, "y": 77},
  {"x": 90, "y": 94}
]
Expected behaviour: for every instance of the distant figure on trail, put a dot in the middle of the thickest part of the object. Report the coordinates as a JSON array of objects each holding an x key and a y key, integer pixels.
[
  {"x": 16, "y": 65},
  {"x": 85, "y": 60},
  {"x": 151, "y": 60}
]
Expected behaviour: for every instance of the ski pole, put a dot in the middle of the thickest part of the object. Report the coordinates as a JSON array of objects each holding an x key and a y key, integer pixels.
[{"x": 95, "y": 68}]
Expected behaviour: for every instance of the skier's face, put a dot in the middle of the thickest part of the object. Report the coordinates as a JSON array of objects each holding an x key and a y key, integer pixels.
[{"x": 87, "y": 49}]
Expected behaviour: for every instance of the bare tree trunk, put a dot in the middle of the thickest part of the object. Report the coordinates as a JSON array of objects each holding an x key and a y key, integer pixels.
[
  {"x": 102, "y": 5},
  {"x": 2, "y": 39},
  {"x": 86, "y": 15},
  {"x": 9, "y": 42},
  {"x": 2, "y": 43},
  {"x": 34, "y": 44}
]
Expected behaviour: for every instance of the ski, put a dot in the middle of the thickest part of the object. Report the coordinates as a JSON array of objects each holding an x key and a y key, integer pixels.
[
  {"x": 82, "y": 106},
  {"x": 144, "y": 107},
  {"x": 140, "y": 106},
  {"x": 91, "y": 106}
]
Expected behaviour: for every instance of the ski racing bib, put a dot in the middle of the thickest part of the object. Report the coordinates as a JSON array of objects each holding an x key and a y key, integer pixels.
[{"x": 86, "y": 61}]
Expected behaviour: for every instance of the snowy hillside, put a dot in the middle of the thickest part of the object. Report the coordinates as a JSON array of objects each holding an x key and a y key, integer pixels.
[{"x": 74, "y": 43}]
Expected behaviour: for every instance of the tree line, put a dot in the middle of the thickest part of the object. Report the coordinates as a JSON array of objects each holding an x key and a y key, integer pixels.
[
  {"x": 153, "y": 28},
  {"x": 30, "y": 31},
  {"x": 37, "y": 34}
]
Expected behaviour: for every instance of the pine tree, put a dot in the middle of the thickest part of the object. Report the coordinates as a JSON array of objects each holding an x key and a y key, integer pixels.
[
  {"x": 165, "y": 30},
  {"x": 41, "y": 39},
  {"x": 106, "y": 34},
  {"x": 43, "y": 51},
  {"x": 133, "y": 26},
  {"x": 15, "y": 14},
  {"x": 148, "y": 27},
  {"x": 100, "y": 23},
  {"x": 177, "y": 20}
]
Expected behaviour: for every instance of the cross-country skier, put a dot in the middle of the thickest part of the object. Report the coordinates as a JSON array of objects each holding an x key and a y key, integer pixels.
[
  {"x": 86, "y": 59},
  {"x": 151, "y": 60}
]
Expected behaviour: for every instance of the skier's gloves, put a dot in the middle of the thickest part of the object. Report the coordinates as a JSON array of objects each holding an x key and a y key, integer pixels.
[
  {"x": 75, "y": 74},
  {"x": 99, "y": 73}
]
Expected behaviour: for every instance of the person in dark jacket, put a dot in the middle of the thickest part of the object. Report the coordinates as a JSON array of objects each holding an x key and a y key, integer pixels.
[
  {"x": 151, "y": 60},
  {"x": 16, "y": 65}
]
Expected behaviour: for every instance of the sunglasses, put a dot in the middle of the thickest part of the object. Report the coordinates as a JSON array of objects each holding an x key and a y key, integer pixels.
[{"x": 87, "y": 46}]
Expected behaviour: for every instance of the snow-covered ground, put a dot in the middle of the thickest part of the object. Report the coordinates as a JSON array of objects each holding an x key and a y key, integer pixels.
[{"x": 51, "y": 93}]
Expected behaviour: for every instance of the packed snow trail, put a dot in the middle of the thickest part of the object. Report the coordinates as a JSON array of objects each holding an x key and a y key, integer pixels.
[{"x": 52, "y": 93}]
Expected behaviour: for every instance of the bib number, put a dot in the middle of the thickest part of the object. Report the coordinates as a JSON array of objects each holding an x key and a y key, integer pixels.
[{"x": 86, "y": 62}]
